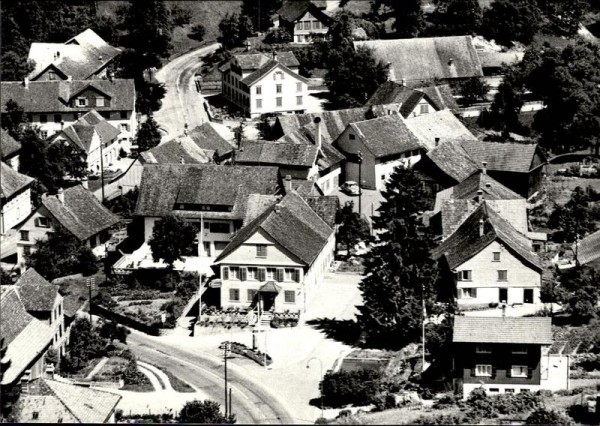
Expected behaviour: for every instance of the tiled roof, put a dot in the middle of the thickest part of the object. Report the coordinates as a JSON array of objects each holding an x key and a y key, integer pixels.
[
  {"x": 256, "y": 60},
  {"x": 165, "y": 185},
  {"x": 11, "y": 181},
  {"x": 292, "y": 10},
  {"x": 500, "y": 156},
  {"x": 37, "y": 294},
  {"x": 82, "y": 131},
  {"x": 386, "y": 135},
  {"x": 267, "y": 68},
  {"x": 439, "y": 124},
  {"x": 589, "y": 248},
  {"x": 81, "y": 214},
  {"x": 466, "y": 241},
  {"x": 54, "y": 96},
  {"x": 175, "y": 151},
  {"x": 308, "y": 135},
  {"x": 8, "y": 144},
  {"x": 428, "y": 58},
  {"x": 53, "y": 400},
  {"x": 280, "y": 154},
  {"x": 441, "y": 96},
  {"x": 290, "y": 223},
  {"x": 326, "y": 206},
  {"x": 515, "y": 330},
  {"x": 26, "y": 337},
  {"x": 257, "y": 204},
  {"x": 492, "y": 189},
  {"x": 453, "y": 160},
  {"x": 80, "y": 57},
  {"x": 390, "y": 92},
  {"x": 208, "y": 139}
]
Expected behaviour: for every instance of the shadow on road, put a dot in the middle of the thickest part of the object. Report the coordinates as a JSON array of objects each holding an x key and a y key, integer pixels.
[{"x": 345, "y": 331}]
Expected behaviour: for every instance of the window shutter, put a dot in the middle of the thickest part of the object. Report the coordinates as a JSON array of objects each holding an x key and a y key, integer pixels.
[
  {"x": 279, "y": 276},
  {"x": 473, "y": 371},
  {"x": 225, "y": 273},
  {"x": 529, "y": 372},
  {"x": 493, "y": 372},
  {"x": 243, "y": 274},
  {"x": 297, "y": 275},
  {"x": 262, "y": 273},
  {"x": 509, "y": 371}
]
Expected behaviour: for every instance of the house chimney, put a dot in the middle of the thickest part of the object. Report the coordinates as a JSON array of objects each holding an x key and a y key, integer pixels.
[
  {"x": 481, "y": 227},
  {"x": 57, "y": 54},
  {"x": 391, "y": 75},
  {"x": 319, "y": 140},
  {"x": 288, "y": 179},
  {"x": 277, "y": 208},
  {"x": 61, "y": 195},
  {"x": 62, "y": 124},
  {"x": 181, "y": 160},
  {"x": 275, "y": 56},
  {"x": 450, "y": 62},
  {"x": 26, "y": 82},
  {"x": 437, "y": 141},
  {"x": 484, "y": 167},
  {"x": 479, "y": 195},
  {"x": 404, "y": 82},
  {"x": 84, "y": 182}
]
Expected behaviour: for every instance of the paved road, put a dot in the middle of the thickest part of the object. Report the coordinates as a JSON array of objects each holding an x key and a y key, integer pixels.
[
  {"x": 182, "y": 103},
  {"x": 251, "y": 402}
]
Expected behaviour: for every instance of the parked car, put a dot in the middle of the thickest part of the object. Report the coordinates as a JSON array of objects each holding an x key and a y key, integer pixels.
[
  {"x": 350, "y": 188},
  {"x": 110, "y": 173}
]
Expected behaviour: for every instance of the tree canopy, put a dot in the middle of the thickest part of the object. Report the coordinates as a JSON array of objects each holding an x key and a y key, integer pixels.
[
  {"x": 576, "y": 218},
  {"x": 352, "y": 228},
  {"x": 61, "y": 254},
  {"x": 171, "y": 237},
  {"x": 400, "y": 271},
  {"x": 507, "y": 21},
  {"x": 204, "y": 412},
  {"x": 148, "y": 135},
  {"x": 407, "y": 14},
  {"x": 235, "y": 30},
  {"x": 260, "y": 12},
  {"x": 457, "y": 17}
]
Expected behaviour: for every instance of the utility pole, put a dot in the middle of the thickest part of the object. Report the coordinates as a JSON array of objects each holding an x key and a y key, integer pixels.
[
  {"x": 225, "y": 351},
  {"x": 359, "y": 158},
  {"x": 230, "y": 412},
  {"x": 90, "y": 283},
  {"x": 102, "y": 171},
  {"x": 423, "y": 326}
]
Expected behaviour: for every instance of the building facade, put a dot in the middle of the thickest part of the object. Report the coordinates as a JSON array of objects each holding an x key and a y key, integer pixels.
[
  {"x": 15, "y": 198},
  {"x": 304, "y": 20}
]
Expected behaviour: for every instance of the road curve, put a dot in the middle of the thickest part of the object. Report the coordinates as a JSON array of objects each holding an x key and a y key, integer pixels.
[
  {"x": 182, "y": 103},
  {"x": 252, "y": 404}
]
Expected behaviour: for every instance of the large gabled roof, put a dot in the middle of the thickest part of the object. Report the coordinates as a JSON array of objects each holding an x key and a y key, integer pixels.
[
  {"x": 291, "y": 10},
  {"x": 428, "y": 57},
  {"x": 273, "y": 64},
  {"x": 502, "y": 156},
  {"x": 276, "y": 153},
  {"x": 12, "y": 181},
  {"x": 292, "y": 224},
  {"x": 8, "y": 144},
  {"x": 467, "y": 241},
  {"x": 589, "y": 248},
  {"x": 511, "y": 330},
  {"x": 81, "y": 132},
  {"x": 450, "y": 157},
  {"x": 439, "y": 124},
  {"x": 490, "y": 187},
  {"x": 388, "y": 135},
  {"x": 81, "y": 213},
  {"x": 37, "y": 294}
]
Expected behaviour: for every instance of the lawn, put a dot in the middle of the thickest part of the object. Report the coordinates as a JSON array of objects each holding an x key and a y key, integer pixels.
[{"x": 178, "y": 384}]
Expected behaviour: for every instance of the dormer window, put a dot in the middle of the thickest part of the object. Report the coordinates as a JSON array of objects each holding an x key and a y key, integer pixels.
[{"x": 81, "y": 102}]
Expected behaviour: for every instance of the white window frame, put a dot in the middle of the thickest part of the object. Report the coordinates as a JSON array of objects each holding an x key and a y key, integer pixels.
[
  {"x": 100, "y": 102},
  {"x": 234, "y": 272},
  {"x": 271, "y": 274},
  {"x": 238, "y": 294},
  {"x": 468, "y": 293},
  {"x": 80, "y": 104},
  {"x": 519, "y": 368},
  {"x": 481, "y": 370},
  {"x": 466, "y": 272}
]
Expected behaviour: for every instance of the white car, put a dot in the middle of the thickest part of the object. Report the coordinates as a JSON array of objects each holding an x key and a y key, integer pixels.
[{"x": 350, "y": 188}]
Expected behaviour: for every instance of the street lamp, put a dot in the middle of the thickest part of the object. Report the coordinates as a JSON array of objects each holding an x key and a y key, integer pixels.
[
  {"x": 226, "y": 350},
  {"x": 321, "y": 383}
]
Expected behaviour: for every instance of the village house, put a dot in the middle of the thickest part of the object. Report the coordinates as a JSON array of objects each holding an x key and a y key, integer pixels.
[
  {"x": 26, "y": 340},
  {"x": 259, "y": 84},
  {"x": 15, "y": 197},
  {"x": 52, "y": 105},
  {"x": 444, "y": 59},
  {"x": 275, "y": 262},
  {"x": 84, "y": 57},
  {"x": 493, "y": 64},
  {"x": 506, "y": 355},
  {"x": 210, "y": 195},
  {"x": 588, "y": 251},
  {"x": 518, "y": 166},
  {"x": 384, "y": 143},
  {"x": 95, "y": 138},
  {"x": 437, "y": 126},
  {"x": 486, "y": 260},
  {"x": 304, "y": 19},
  {"x": 51, "y": 401},
  {"x": 9, "y": 150},
  {"x": 77, "y": 210},
  {"x": 414, "y": 101}
]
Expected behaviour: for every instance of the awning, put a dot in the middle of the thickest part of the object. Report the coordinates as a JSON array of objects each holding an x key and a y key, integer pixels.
[{"x": 269, "y": 287}]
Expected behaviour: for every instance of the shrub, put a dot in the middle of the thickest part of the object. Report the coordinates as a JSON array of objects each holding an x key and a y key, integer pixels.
[
  {"x": 133, "y": 376},
  {"x": 278, "y": 35},
  {"x": 542, "y": 416},
  {"x": 351, "y": 387}
]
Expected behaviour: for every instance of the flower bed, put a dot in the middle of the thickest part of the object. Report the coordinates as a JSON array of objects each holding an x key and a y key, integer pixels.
[
  {"x": 212, "y": 317},
  {"x": 285, "y": 319},
  {"x": 255, "y": 355}
]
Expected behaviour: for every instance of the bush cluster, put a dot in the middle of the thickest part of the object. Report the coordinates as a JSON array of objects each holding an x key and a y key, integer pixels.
[{"x": 360, "y": 387}]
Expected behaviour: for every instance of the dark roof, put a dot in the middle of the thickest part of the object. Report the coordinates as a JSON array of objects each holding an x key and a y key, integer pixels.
[
  {"x": 257, "y": 204},
  {"x": 466, "y": 241},
  {"x": 292, "y": 224},
  {"x": 453, "y": 160},
  {"x": 11, "y": 181},
  {"x": 386, "y": 135},
  {"x": 208, "y": 139},
  {"x": 165, "y": 185},
  {"x": 81, "y": 213},
  {"x": 269, "y": 287},
  {"x": 80, "y": 57},
  {"x": 515, "y": 330},
  {"x": 492, "y": 189},
  {"x": 54, "y": 96},
  {"x": 31, "y": 277},
  {"x": 441, "y": 96},
  {"x": 176, "y": 151},
  {"x": 500, "y": 156},
  {"x": 82, "y": 131},
  {"x": 275, "y": 153},
  {"x": 326, "y": 206},
  {"x": 589, "y": 248},
  {"x": 308, "y": 135},
  {"x": 267, "y": 68},
  {"x": 14, "y": 317},
  {"x": 441, "y": 124},
  {"x": 390, "y": 92},
  {"x": 292, "y": 10},
  {"x": 35, "y": 295},
  {"x": 252, "y": 61},
  {"x": 8, "y": 144},
  {"x": 428, "y": 58}
]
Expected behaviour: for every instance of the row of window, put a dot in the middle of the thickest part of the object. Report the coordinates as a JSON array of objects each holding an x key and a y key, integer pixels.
[
  {"x": 106, "y": 114},
  {"x": 467, "y": 275},
  {"x": 279, "y": 102},
  {"x": 487, "y": 349},
  {"x": 279, "y": 88},
  {"x": 261, "y": 274},
  {"x": 486, "y": 370},
  {"x": 310, "y": 25},
  {"x": 234, "y": 295}
]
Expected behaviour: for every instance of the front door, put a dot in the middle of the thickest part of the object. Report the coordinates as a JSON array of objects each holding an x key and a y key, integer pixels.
[
  {"x": 528, "y": 295},
  {"x": 503, "y": 295},
  {"x": 268, "y": 301}
]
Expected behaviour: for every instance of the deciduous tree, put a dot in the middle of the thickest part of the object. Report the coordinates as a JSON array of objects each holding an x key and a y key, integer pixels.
[
  {"x": 197, "y": 32},
  {"x": 575, "y": 218},
  {"x": 564, "y": 17},
  {"x": 235, "y": 30},
  {"x": 13, "y": 118},
  {"x": 260, "y": 12},
  {"x": 507, "y": 21},
  {"x": 148, "y": 135},
  {"x": 205, "y": 412},
  {"x": 457, "y": 17},
  {"x": 171, "y": 237},
  {"x": 352, "y": 228},
  {"x": 473, "y": 89}
]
